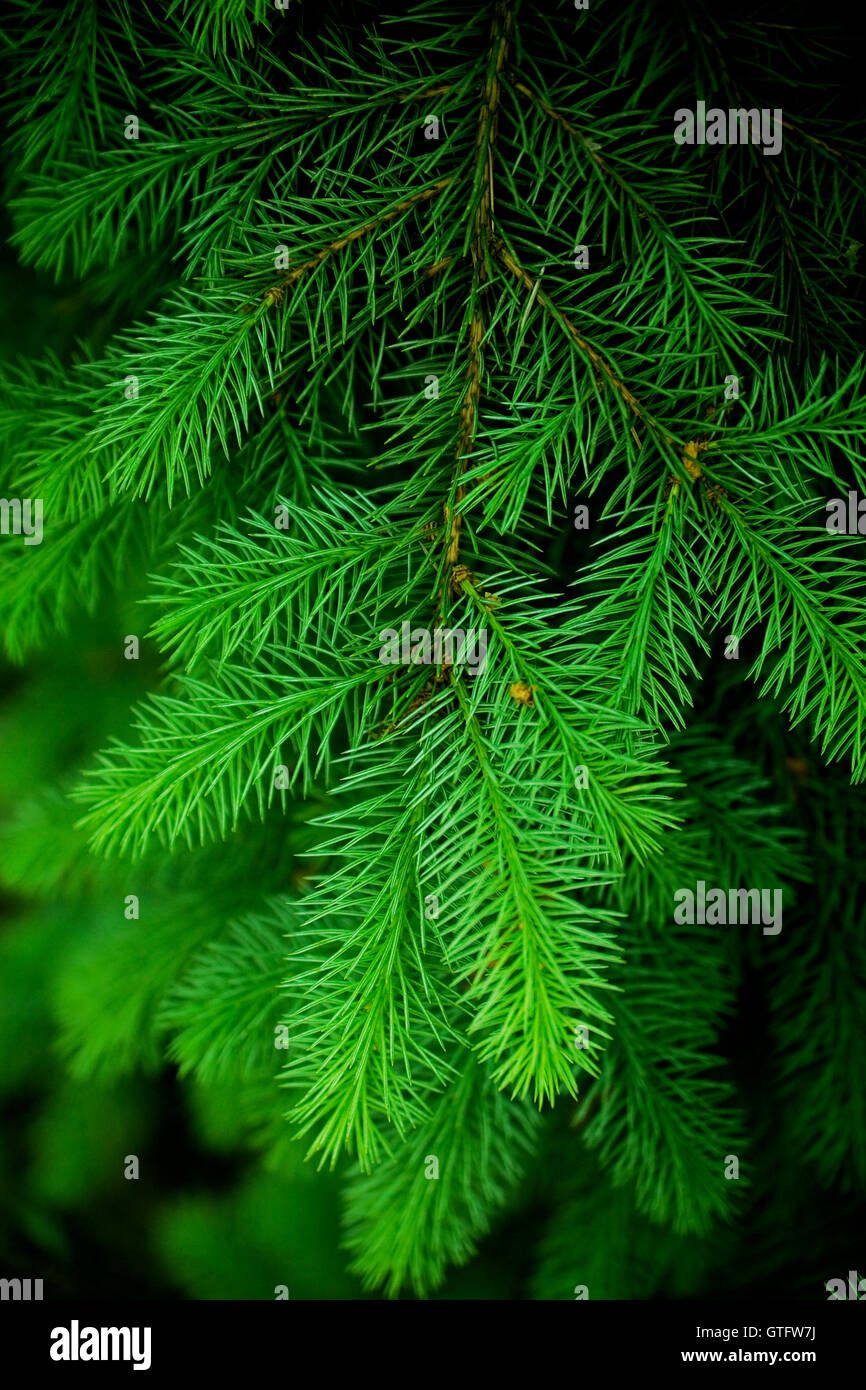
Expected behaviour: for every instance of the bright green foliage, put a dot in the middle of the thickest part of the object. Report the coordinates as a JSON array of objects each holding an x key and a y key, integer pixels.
[
  {"x": 409, "y": 1220},
  {"x": 324, "y": 375}
]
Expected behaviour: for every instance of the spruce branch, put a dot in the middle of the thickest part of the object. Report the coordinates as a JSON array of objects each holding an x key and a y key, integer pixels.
[
  {"x": 594, "y": 357},
  {"x": 483, "y": 232},
  {"x": 370, "y": 377},
  {"x": 275, "y": 293},
  {"x": 403, "y": 1228}
]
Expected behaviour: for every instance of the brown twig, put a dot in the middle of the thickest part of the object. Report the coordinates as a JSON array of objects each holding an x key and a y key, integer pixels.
[
  {"x": 814, "y": 140},
  {"x": 561, "y": 120},
  {"x": 517, "y": 270},
  {"x": 589, "y": 145},
  {"x": 275, "y": 293},
  {"x": 439, "y": 265},
  {"x": 483, "y": 230}
]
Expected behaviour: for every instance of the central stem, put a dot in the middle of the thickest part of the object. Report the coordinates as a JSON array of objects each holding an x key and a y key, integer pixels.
[{"x": 482, "y": 232}]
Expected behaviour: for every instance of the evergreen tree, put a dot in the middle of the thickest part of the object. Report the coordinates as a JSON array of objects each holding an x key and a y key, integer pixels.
[{"x": 441, "y": 459}]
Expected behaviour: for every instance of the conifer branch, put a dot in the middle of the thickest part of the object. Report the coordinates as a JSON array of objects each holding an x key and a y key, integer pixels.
[
  {"x": 598, "y": 362},
  {"x": 483, "y": 231},
  {"x": 275, "y": 293},
  {"x": 308, "y": 385}
]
